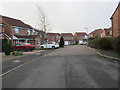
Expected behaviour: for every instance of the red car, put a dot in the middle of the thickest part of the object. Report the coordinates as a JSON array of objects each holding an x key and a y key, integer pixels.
[{"x": 23, "y": 47}]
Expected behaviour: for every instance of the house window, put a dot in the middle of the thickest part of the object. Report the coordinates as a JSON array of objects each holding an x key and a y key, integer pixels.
[
  {"x": 16, "y": 30},
  {"x": 52, "y": 37},
  {"x": 40, "y": 36},
  {"x": 1, "y": 24},
  {"x": 38, "y": 42},
  {"x": 28, "y": 32},
  {"x": 36, "y": 33},
  {"x": 57, "y": 36},
  {"x": 33, "y": 32}
]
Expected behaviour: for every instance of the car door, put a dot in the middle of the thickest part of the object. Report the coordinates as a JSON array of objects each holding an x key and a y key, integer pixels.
[
  {"x": 18, "y": 46},
  {"x": 49, "y": 45}
]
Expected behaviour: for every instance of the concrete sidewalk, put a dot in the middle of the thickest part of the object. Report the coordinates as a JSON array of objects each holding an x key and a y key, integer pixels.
[
  {"x": 109, "y": 54},
  {"x": 5, "y": 58}
]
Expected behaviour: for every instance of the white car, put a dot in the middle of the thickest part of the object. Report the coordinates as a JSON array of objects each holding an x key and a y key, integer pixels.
[
  {"x": 83, "y": 42},
  {"x": 52, "y": 45}
]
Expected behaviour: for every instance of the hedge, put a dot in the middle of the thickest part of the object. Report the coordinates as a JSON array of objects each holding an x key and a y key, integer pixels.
[{"x": 105, "y": 43}]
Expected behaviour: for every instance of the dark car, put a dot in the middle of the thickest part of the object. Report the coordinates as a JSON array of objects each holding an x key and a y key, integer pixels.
[{"x": 23, "y": 47}]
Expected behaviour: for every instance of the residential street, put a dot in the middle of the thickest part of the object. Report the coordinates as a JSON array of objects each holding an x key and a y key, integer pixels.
[{"x": 76, "y": 66}]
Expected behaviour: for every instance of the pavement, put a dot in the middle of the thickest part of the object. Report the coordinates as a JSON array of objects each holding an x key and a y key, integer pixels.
[
  {"x": 14, "y": 62},
  {"x": 71, "y": 67},
  {"x": 10, "y": 57},
  {"x": 109, "y": 54}
]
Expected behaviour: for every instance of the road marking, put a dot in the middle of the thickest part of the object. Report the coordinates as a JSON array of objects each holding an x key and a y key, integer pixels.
[{"x": 18, "y": 67}]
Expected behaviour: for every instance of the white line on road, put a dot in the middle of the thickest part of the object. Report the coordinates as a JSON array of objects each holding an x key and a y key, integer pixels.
[{"x": 18, "y": 67}]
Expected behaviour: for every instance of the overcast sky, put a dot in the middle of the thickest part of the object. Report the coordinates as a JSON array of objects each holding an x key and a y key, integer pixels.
[{"x": 63, "y": 16}]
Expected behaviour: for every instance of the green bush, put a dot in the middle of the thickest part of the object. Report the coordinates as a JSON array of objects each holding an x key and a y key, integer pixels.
[
  {"x": 6, "y": 47},
  {"x": 101, "y": 43},
  {"x": 61, "y": 42},
  {"x": 105, "y": 43},
  {"x": 116, "y": 44}
]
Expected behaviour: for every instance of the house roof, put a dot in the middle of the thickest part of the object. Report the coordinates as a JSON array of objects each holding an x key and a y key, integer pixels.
[
  {"x": 81, "y": 33},
  {"x": 53, "y": 33},
  {"x": 97, "y": 30},
  {"x": 1, "y": 34},
  {"x": 115, "y": 10},
  {"x": 39, "y": 31},
  {"x": 15, "y": 22},
  {"x": 108, "y": 29},
  {"x": 67, "y": 34}
]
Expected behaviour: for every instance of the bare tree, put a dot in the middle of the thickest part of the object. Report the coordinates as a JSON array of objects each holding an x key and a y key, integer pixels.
[{"x": 43, "y": 23}]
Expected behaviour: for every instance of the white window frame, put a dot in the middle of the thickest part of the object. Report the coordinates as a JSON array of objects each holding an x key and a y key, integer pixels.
[
  {"x": 33, "y": 32},
  {"x": 28, "y": 32},
  {"x": 16, "y": 30},
  {"x": 38, "y": 42}
]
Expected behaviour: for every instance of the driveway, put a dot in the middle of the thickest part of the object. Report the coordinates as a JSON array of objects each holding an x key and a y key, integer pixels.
[{"x": 70, "y": 67}]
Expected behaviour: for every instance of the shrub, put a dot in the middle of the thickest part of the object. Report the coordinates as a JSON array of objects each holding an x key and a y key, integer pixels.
[
  {"x": 105, "y": 43},
  {"x": 116, "y": 44},
  {"x": 61, "y": 42},
  {"x": 101, "y": 43},
  {"x": 6, "y": 47}
]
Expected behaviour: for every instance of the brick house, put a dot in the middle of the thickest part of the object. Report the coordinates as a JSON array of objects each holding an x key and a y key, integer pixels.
[
  {"x": 53, "y": 37},
  {"x": 108, "y": 31},
  {"x": 2, "y": 34},
  {"x": 19, "y": 32},
  {"x": 80, "y": 36},
  {"x": 40, "y": 38},
  {"x": 115, "y": 21},
  {"x": 97, "y": 33},
  {"x": 68, "y": 38}
]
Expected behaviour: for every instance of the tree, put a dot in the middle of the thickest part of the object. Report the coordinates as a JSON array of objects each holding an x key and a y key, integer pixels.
[
  {"x": 61, "y": 42},
  {"x": 43, "y": 23},
  {"x": 6, "y": 47}
]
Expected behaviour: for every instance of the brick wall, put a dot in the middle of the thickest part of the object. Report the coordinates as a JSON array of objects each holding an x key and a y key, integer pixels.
[
  {"x": 0, "y": 29},
  {"x": 7, "y": 29},
  {"x": 116, "y": 22},
  {"x": 53, "y": 37},
  {"x": 21, "y": 32}
]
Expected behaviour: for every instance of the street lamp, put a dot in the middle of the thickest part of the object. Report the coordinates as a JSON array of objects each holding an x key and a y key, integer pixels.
[{"x": 87, "y": 34}]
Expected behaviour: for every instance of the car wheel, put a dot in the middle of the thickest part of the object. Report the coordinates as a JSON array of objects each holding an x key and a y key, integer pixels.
[
  {"x": 53, "y": 47},
  {"x": 25, "y": 49},
  {"x": 42, "y": 47}
]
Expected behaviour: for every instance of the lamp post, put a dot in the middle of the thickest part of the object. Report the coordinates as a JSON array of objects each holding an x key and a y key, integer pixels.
[{"x": 87, "y": 34}]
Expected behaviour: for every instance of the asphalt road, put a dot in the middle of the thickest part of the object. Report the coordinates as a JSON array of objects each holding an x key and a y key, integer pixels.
[{"x": 70, "y": 67}]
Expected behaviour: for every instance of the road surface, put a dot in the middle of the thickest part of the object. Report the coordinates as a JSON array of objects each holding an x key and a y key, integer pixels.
[{"x": 75, "y": 66}]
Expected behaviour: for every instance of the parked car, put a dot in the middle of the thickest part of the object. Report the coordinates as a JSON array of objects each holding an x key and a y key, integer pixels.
[
  {"x": 51, "y": 45},
  {"x": 23, "y": 47},
  {"x": 83, "y": 42}
]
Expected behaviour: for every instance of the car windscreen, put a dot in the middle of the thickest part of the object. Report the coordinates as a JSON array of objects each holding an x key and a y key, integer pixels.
[
  {"x": 18, "y": 44},
  {"x": 50, "y": 43},
  {"x": 27, "y": 43}
]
